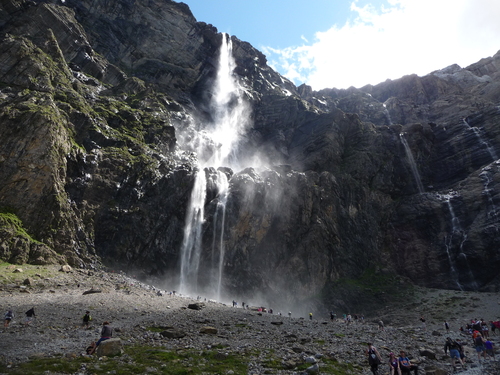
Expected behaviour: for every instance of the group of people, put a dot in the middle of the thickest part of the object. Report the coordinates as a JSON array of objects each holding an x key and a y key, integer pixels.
[
  {"x": 106, "y": 331},
  {"x": 9, "y": 316},
  {"x": 398, "y": 365}
]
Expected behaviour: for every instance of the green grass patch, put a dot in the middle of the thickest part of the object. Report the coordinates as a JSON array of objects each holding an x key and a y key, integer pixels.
[
  {"x": 141, "y": 360},
  {"x": 7, "y": 274}
]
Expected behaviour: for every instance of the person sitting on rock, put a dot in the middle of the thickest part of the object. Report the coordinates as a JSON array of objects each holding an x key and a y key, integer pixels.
[
  {"x": 106, "y": 334},
  {"x": 406, "y": 365},
  {"x": 9, "y": 315},
  {"x": 394, "y": 364}
]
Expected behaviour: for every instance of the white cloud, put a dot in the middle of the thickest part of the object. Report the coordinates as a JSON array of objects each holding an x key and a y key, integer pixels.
[{"x": 407, "y": 37}]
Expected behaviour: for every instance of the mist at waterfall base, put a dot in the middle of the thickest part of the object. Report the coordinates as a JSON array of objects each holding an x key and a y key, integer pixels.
[{"x": 217, "y": 139}]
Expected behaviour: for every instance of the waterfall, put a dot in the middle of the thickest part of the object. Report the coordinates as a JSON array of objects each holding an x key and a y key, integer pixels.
[
  {"x": 218, "y": 240},
  {"x": 216, "y": 145},
  {"x": 387, "y": 114},
  {"x": 477, "y": 132},
  {"x": 448, "y": 241},
  {"x": 492, "y": 212},
  {"x": 413, "y": 165},
  {"x": 191, "y": 245},
  {"x": 456, "y": 240}
]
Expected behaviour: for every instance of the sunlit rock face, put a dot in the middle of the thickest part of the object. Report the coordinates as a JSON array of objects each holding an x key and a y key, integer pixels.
[{"x": 107, "y": 116}]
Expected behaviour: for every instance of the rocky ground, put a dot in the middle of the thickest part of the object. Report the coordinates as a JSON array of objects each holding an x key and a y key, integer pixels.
[{"x": 133, "y": 308}]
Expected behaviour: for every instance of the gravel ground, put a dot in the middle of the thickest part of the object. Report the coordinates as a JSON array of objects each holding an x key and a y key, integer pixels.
[{"x": 132, "y": 307}]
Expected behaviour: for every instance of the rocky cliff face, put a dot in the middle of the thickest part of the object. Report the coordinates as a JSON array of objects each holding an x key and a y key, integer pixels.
[{"x": 96, "y": 167}]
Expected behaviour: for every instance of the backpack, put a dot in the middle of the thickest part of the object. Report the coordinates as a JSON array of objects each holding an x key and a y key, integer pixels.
[
  {"x": 478, "y": 341},
  {"x": 372, "y": 357}
]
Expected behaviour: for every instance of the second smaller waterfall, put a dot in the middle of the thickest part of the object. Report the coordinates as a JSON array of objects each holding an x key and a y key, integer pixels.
[{"x": 413, "y": 165}]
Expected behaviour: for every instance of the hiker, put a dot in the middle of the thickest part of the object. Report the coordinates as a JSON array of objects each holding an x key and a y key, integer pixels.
[
  {"x": 406, "y": 365},
  {"x": 479, "y": 345},
  {"x": 310, "y": 316},
  {"x": 332, "y": 316},
  {"x": 86, "y": 320},
  {"x": 454, "y": 348},
  {"x": 381, "y": 325},
  {"x": 9, "y": 315},
  {"x": 394, "y": 364},
  {"x": 484, "y": 329},
  {"x": 106, "y": 333},
  {"x": 349, "y": 319},
  {"x": 446, "y": 326},
  {"x": 374, "y": 358},
  {"x": 422, "y": 319},
  {"x": 30, "y": 314},
  {"x": 490, "y": 348}
]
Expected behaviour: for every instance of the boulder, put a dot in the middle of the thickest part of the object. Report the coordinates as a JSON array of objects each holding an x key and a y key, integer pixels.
[
  {"x": 65, "y": 268},
  {"x": 173, "y": 333},
  {"x": 109, "y": 348},
  {"x": 208, "y": 330},
  {"x": 427, "y": 353},
  {"x": 196, "y": 306},
  {"x": 314, "y": 369}
]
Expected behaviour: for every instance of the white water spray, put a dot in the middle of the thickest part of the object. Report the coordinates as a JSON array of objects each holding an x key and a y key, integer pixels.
[
  {"x": 413, "y": 165},
  {"x": 481, "y": 140},
  {"x": 216, "y": 145},
  {"x": 448, "y": 241}
]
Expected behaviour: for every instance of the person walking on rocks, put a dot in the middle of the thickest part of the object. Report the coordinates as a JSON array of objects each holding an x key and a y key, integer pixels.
[
  {"x": 394, "y": 364},
  {"x": 30, "y": 314},
  {"x": 374, "y": 358},
  {"x": 86, "y": 320},
  {"x": 406, "y": 365},
  {"x": 446, "y": 326},
  {"x": 422, "y": 319},
  {"x": 479, "y": 345},
  {"x": 381, "y": 325},
  {"x": 454, "y": 348},
  {"x": 9, "y": 315},
  {"x": 490, "y": 348},
  {"x": 310, "y": 316}
]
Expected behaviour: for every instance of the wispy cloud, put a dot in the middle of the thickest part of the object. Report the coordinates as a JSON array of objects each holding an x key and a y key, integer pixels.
[{"x": 388, "y": 42}]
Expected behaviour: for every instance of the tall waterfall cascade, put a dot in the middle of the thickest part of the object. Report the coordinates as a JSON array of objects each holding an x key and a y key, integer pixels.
[
  {"x": 216, "y": 145},
  {"x": 460, "y": 271},
  {"x": 482, "y": 141},
  {"x": 412, "y": 163}
]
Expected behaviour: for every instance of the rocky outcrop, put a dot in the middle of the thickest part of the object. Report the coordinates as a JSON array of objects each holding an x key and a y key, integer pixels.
[{"x": 399, "y": 178}]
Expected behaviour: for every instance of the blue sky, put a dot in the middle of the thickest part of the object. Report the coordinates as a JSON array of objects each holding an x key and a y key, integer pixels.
[{"x": 342, "y": 43}]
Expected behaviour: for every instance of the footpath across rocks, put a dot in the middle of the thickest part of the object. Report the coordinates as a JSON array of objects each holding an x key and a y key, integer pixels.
[{"x": 143, "y": 316}]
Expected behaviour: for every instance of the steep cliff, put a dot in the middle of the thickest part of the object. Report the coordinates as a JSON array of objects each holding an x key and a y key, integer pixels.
[{"x": 99, "y": 106}]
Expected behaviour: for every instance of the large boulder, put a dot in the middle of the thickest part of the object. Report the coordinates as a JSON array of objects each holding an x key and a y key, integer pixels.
[{"x": 109, "y": 348}]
